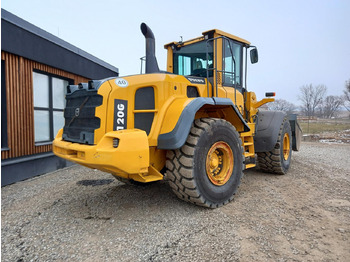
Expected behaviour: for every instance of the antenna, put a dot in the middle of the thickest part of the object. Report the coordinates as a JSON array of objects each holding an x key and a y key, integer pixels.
[{"x": 143, "y": 59}]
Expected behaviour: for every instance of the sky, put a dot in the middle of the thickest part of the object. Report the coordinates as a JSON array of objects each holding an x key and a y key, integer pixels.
[{"x": 300, "y": 42}]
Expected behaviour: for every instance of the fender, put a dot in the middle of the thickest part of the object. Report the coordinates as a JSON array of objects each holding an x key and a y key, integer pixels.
[
  {"x": 297, "y": 133},
  {"x": 177, "y": 137},
  {"x": 268, "y": 127}
]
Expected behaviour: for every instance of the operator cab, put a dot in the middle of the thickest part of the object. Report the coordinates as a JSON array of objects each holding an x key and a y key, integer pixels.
[{"x": 217, "y": 56}]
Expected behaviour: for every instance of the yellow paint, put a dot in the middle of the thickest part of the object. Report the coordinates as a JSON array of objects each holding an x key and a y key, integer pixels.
[
  {"x": 130, "y": 157},
  {"x": 248, "y": 144},
  {"x": 173, "y": 114},
  {"x": 100, "y": 112},
  {"x": 236, "y": 97},
  {"x": 286, "y": 146},
  {"x": 222, "y": 33},
  {"x": 137, "y": 156},
  {"x": 219, "y": 163}
]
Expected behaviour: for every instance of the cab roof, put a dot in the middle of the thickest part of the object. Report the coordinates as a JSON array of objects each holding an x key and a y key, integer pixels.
[
  {"x": 212, "y": 33},
  {"x": 222, "y": 33}
]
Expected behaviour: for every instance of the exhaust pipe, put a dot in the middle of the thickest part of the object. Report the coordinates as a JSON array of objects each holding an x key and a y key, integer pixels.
[{"x": 151, "y": 60}]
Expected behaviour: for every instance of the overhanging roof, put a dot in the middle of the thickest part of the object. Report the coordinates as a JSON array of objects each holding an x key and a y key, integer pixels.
[{"x": 27, "y": 40}]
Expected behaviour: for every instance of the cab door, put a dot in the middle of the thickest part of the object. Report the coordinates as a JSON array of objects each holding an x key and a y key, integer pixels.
[{"x": 232, "y": 67}]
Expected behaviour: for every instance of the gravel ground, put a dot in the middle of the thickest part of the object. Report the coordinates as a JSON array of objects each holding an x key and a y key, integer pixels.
[{"x": 78, "y": 214}]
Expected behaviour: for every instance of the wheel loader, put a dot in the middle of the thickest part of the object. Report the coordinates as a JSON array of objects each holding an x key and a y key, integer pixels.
[{"x": 194, "y": 125}]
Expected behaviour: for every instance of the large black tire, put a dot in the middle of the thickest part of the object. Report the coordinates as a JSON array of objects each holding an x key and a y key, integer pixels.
[
  {"x": 278, "y": 160},
  {"x": 207, "y": 169}
]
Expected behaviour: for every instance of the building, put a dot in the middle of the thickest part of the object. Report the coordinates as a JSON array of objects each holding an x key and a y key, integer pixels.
[{"x": 36, "y": 67}]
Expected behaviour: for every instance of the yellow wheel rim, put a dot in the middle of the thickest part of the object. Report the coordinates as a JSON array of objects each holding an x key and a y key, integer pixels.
[
  {"x": 219, "y": 163},
  {"x": 286, "y": 146}
]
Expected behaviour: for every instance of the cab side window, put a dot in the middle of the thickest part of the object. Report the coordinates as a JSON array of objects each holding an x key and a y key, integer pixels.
[{"x": 232, "y": 63}]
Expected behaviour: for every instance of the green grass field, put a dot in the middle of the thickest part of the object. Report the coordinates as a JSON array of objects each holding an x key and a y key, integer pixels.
[{"x": 324, "y": 125}]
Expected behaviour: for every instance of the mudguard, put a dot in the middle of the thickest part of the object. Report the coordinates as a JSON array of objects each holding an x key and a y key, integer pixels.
[
  {"x": 177, "y": 137},
  {"x": 296, "y": 132},
  {"x": 267, "y": 129}
]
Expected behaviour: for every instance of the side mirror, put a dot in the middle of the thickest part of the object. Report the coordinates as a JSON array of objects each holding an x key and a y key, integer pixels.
[{"x": 254, "y": 58}]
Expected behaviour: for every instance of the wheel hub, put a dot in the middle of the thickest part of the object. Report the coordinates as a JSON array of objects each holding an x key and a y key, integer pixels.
[
  {"x": 219, "y": 163},
  {"x": 286, "y": 146},
  {"x": 214, "y": 161}
]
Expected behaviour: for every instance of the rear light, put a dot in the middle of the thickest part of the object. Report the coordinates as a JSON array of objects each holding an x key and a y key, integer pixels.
[{"x": 269, "y": 94}]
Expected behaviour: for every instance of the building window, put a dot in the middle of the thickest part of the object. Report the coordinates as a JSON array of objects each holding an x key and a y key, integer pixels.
[
  {"x": 49, "y": 102},
  {"x": 4, "y": 144}
]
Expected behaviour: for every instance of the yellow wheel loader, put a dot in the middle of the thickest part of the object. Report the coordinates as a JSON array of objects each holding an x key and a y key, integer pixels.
[{"x": 195, "y": 125}]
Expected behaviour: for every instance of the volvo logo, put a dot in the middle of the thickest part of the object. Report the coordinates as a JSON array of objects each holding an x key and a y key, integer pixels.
[{"x": 77, "y": 112}]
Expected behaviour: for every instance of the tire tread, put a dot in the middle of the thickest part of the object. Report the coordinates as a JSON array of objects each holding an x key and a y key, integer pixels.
[
  {"x": 271, "y": 162},
  {"x": 180, "y": 163}
]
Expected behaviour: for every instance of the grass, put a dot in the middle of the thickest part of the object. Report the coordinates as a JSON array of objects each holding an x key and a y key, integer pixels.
[{"x": 324, "y": 125}]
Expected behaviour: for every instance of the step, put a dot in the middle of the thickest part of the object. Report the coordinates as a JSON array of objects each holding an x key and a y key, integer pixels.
[
  {"x": 249, "y": 165},
  {"x": 247, "y": 154}
]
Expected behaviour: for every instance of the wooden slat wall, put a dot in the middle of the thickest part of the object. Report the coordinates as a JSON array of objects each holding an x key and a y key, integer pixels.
[{"x": 20, "y": 107}]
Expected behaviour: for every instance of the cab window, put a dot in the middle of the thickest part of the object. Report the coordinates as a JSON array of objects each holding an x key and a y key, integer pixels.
[
  {"x": 232, "y": 61},
  {"x": 192, "y": 59}
]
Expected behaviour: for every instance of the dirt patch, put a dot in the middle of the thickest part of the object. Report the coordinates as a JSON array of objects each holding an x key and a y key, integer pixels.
[
  {"x": 330, "y": 137},
  {"x": 339, "y": 137},
  {"x": 302, "y": 216}
]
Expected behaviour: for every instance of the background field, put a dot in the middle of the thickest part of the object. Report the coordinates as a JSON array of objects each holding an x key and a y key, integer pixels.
[{"x": 324, "y": 125}]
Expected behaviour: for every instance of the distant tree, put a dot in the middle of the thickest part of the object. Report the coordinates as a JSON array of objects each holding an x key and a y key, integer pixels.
[
  {"x": 330, "y": 106},
  {"x": 347, "y": 95},
  {"x": 282, "y": 105},
  {"x": 311, "y": 98}
]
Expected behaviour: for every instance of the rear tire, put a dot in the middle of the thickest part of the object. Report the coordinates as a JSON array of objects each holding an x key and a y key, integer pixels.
[
  {"x": 278, "y": 160},
  {"x": 207, "y": 169}
]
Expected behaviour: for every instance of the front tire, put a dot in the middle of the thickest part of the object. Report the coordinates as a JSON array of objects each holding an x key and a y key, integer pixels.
[
  {"x": 207, "y": 169},
  {"x": 278, "y": 160}
]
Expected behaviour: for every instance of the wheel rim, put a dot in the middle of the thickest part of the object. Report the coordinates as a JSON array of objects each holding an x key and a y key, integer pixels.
[
  {"x": 286, "y": 146},
  {"x": 219, "y": 163}
]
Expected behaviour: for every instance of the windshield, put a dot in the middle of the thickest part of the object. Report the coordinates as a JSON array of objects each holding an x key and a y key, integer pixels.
[{"x": 192, "y": 59}]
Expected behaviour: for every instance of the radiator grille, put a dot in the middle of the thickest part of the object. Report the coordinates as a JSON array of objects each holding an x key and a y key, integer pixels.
[
  {"x": 79, "y": 114},
  {"x": 144, "y": 100}
]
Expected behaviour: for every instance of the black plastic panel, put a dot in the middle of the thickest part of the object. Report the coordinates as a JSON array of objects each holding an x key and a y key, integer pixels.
[
  {"x": 192, "y": 91},
  {"x": 79, "y": 114},
  {"x": 144, "y": 98},
  {"x": 120, "y": 114},
  {"x": 268, "y": 126},
  {"x": 144, "y": 121}
]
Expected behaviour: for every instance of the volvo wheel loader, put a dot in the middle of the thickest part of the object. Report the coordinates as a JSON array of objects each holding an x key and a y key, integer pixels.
[{"x": 195, "y": 125}]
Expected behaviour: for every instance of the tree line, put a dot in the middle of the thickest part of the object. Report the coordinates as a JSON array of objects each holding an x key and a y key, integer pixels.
[{"x": 314, "y": 102}]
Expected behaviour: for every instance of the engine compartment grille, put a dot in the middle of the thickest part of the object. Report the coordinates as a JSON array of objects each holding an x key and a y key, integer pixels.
[{"x": 79, "y": 114}]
